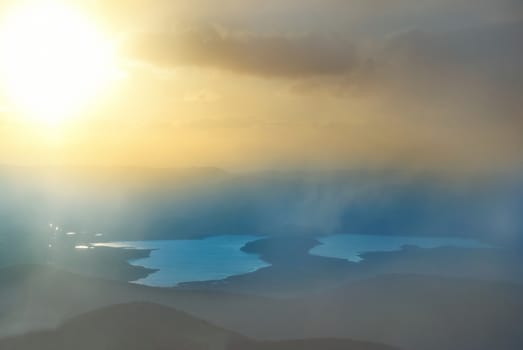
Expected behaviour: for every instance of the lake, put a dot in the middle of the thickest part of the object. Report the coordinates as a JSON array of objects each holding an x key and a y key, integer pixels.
[
  {"x": 351, "y": 247},
  {"x": 178, "y": 261},
  {"x": 219, "y": 257}
]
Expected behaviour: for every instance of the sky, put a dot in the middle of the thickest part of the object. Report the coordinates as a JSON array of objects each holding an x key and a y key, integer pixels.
[{"x": 432, "y": 85}]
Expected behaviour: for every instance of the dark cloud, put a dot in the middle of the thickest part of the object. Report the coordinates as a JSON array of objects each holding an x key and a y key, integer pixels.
[
  {"x": 247, "y": 53},
  {"x": 492, "y": 52},
  {"x": 485, "y": 62},
  {"x": 481, "y": 66}
]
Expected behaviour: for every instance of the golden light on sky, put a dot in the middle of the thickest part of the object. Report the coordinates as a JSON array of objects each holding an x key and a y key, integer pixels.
[
  {"x": 293, "y": 83},
  {"x": 54, "y": 60}
]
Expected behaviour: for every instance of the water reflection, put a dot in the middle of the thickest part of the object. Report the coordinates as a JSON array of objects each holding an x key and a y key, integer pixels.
[
  {"x": 212, "y": 258},
  {"x": 351, "y": 247}
]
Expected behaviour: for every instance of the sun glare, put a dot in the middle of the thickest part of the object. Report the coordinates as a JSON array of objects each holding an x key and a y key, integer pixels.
[{"x": 54, "y": 61}]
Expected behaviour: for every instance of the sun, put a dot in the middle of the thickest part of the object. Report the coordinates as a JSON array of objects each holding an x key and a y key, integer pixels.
[{"x": 54, "y": 61}]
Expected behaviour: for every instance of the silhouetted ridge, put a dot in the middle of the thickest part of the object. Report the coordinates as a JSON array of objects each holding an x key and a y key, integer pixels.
[{"x": 147, "y": 326}]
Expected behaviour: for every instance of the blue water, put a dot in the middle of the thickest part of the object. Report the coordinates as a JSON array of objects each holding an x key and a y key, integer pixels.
[
  {"x": 219, "y": 257},
  {"x": 351, "y": 247},
  {"x": 212, "y": 258}
]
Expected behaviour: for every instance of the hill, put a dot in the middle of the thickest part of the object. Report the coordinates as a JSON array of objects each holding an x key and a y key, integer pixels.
[
  {"x": 145, "y": 326},
  {"x": 412, "y": 312}
]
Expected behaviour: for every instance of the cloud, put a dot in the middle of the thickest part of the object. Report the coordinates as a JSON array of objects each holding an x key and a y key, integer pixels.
[
  {"x": 488, "y": 54},
  {"x": 248, "y": 53},
  {"x": 471, "y": 72}
]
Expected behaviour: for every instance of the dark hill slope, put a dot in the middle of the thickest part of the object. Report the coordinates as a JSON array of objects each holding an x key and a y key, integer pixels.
[
  {"x": 145, "y": 326},
  {"x": 412, "y": 312}
]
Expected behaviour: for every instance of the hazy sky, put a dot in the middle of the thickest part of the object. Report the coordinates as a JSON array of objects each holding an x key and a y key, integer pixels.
[{"x": 244, "y": 84}]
